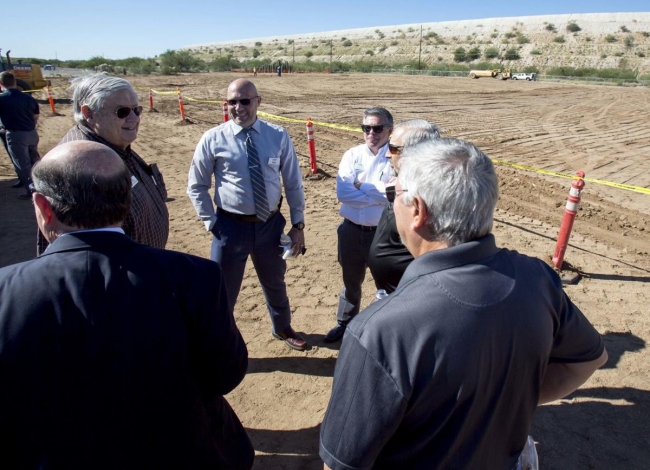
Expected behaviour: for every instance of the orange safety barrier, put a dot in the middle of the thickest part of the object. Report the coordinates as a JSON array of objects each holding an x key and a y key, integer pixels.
[
  {"x": 180, "y": 104},
  {"x": 312, "y": 146},
  {"x": 50, "y": 99},
  {"x": 225, "y": 111},
  {"x": 150, "y": 99},
  {"x": 570, "y": 211}
]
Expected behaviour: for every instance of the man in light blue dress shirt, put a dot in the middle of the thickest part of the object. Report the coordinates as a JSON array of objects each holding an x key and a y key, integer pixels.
[{"x": 237, "y": 231}]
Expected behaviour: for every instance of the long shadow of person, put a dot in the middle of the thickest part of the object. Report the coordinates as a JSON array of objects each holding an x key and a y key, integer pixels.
[
  {"x": 286, "y": 450},
  {"x": 618, "y": 344}
]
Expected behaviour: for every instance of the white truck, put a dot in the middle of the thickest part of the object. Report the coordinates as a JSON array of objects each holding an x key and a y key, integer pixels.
[{"x": 524, "y": 76}]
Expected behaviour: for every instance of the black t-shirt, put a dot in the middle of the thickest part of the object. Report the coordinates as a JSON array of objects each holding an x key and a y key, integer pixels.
[
  {"x": 389, "y": 258},
  {"x": 17, "y": 110},
  {"x": 445, "y": 372}
]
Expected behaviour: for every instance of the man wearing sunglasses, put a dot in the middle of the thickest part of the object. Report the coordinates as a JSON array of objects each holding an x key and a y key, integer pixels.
[
  {"x": 251, "y": 161},
  {"x": 361, "y": 188},
  {"x": 447, "y": 371},
  {"x": 388, "y": 256},
  {"x": 106, "y": 111}
]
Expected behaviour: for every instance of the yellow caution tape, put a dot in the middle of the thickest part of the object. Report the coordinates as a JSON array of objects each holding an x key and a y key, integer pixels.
[
  {"x": 201, "y": 101},
  {"x": 164, "y": 92},
  {"x": 573, "y": 177}
]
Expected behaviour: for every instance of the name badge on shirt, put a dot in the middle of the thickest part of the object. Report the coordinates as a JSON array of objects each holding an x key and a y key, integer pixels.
[
  {"x": 134, "y": 181},
  {"x": 274, "y": 162},
  {"x": 358, "y": 166}
]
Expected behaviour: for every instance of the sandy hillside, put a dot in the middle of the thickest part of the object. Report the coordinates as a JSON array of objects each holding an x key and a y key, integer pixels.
[
  {"x": 603, "y": 40},
  {"x": 552, "y": 128}
]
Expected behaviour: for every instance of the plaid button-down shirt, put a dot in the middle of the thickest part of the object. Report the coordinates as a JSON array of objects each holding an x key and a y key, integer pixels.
[{"x": 148, "y": 218}]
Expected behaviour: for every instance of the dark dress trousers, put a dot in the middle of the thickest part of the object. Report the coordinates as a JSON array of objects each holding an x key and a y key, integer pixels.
[{"x": 115, "y": 355}]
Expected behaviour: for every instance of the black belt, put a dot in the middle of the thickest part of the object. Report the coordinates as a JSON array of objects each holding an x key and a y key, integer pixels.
[
  {"x": 368, "y": 228},
  {"x": 245, "y": 217}
]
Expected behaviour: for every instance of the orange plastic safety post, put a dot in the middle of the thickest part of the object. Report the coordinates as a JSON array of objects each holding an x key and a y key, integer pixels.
[
  {"x": 180, "y": 104},
  {"x": 150, "y": 99},
  {"x": 225, "y": 111},
  {"x": 312, "y": 147},
  {"x": 51, "y": 100},
  {"x": 570, "y": 211}
]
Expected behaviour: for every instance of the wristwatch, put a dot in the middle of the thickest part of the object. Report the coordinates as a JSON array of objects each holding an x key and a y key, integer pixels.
[{"x": 299, "y": 226}]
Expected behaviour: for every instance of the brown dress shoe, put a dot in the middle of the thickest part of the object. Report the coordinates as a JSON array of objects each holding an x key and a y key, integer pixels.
[{"x": 291, "y": 338}]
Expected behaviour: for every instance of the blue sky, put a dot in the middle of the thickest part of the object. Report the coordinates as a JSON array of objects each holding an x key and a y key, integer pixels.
[{"x": 117, "y": 29}]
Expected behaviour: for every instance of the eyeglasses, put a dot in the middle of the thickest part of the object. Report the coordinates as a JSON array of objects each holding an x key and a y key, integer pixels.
[
  {"x": 395, "y": 149},
  {"x": 391, "y": 193},
  {"x": 243, "y": 101},
  {"x": 376, "y": 129},
  {"x": 123, "y": 111}
]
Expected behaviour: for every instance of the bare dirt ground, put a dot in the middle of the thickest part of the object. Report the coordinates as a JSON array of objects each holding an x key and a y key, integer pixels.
[{"x": 602, "y": 130}]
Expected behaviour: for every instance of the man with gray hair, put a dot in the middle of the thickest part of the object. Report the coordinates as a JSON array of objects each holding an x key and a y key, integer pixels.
[
  {"x": 388, "y": 255},
  {"x": 361, "y": 188},
  {"x": 106, "y": 110},
  {"x": 113, "y": 354},
  {"x": 446, "y": 372}
]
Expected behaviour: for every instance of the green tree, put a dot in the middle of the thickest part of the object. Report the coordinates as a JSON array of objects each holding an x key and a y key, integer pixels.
[
  {"x": 573, "y": 27},
  {"x": 460, "y": 55},
  {"x": 491, "y": 53},
  {"x": 473, "y": 54},
  {"x": 511, "y": 54}
]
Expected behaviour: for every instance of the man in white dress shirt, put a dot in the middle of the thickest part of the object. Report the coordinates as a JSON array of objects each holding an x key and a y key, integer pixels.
[{"x": 361, "y": 189}]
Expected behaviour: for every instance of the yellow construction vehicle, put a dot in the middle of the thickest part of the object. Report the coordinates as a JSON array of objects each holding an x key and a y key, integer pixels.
[
  {"x": 29, "y": 77},
  {"x": 504, "y": 74}
]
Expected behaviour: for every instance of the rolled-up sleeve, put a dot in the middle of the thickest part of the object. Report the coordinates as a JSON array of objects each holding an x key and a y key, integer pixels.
[{"x": 365, "y": 409}]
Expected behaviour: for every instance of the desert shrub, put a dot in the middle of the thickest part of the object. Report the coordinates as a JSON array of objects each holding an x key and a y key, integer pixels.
[
  {"x": 510, "y": 35},
  {"x": 550, "y": 27},
  {"x": 309, "y": 54},
  {"x": 347, "y": 43},
  {"x": 289, "y": 41},
  {"x": 624, "y": 29},
  {"x": 493, "y": 35},
  {"x": 521, "y": 39},
  {"x": 618, "y": 54},
  {"x": 573, "y": 27},
  {"x": 460, "y": 55},
  {"x": 640, "y": 54},
  {"x": 382, "y": 48},
  {"x": 370, "y": 52},
  {"x": 256, "y": 53},
  {"x": 610, "y": 38},
  {"x": 505, "y": 41},
  {"x": 603, "y": 56},
  {"x": 535, "y": 52},
  {"x": 394, "y": 43},
  {"x": 379, "y": 33},
  {"x": 559, "y": 39},
  {"x": 258, "y": 43},
  {"x": 473, "y": 54},
  {"x": 645, "y": 34},
  {"x": 181, "y": 61},
  {"x": 617, "y": 73},
  {"x": 588, "y": 39},
  {"x": 628, "y": 41},
  {"x": 410, "y": 30},
  {"x": 511, "y": 54},
  {"x": 491, "y": 53}
]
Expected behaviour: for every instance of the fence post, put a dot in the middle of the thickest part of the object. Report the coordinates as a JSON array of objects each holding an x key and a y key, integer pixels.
[{"x": 570, "y": 211}]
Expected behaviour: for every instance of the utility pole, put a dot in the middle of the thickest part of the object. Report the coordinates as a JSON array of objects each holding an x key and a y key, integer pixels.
[
  {"x": 330, "y": 56},
  {"x": 420, "y": 54}
]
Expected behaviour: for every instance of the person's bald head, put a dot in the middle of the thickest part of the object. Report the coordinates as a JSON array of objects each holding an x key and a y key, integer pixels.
[
  {"x": 243, "y": 102},
  {"x": 85, "y": 185}
]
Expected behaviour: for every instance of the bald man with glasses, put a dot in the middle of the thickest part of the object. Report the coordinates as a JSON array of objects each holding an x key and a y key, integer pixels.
[
  {"x": 361, "y": 188},
  {"x": 251, "y": 161}
]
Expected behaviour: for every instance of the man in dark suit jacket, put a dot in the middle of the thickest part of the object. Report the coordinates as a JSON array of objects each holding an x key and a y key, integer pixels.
[{"x": 113, "y": 354}]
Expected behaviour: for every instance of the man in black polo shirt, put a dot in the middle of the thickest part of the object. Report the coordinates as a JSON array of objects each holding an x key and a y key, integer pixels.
[
  {"x": 19, "y": 113},
  {"x": 446, "y": 372}
]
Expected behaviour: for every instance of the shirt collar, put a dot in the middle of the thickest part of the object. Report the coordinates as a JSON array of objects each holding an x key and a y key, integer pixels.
[
  {"x": 237, "y": 128},
  {"x": 105, "y": 229}
]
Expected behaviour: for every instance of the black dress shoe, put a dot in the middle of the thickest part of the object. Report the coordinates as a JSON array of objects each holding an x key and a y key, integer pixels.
[
  {"x": 17, "y": 184},
  {"x": 335, "y": 334},
  {"x": 25, "y": 196}
]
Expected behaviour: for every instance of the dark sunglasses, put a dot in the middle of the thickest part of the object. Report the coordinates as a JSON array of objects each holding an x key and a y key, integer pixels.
[
  {"x": 391, "y": 193},
  {"x": 124, "y": 111},
  {"x": 395, "y": 149},
  {"x": 243, "y": 101},
  {"x": 376, "y": 129}
]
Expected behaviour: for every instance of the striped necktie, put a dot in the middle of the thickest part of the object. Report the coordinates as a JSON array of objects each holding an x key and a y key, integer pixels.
[{"x": 257, "y": 178}]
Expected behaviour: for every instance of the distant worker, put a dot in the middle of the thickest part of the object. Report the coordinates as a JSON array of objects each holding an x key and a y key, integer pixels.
[
  {"x": 388, "y": 256},
  {"x": 19, "y": 113},
  {"x": 447, "y": 371},
  {"x": 361, "y": 188},
  {"x": 113, "y": 354},
  {"x": 279, "y": 70},
  {"x": 250, "y": 161},
  {"x": 106, "y": 111},
  {"x": 254, "y": 71}
]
